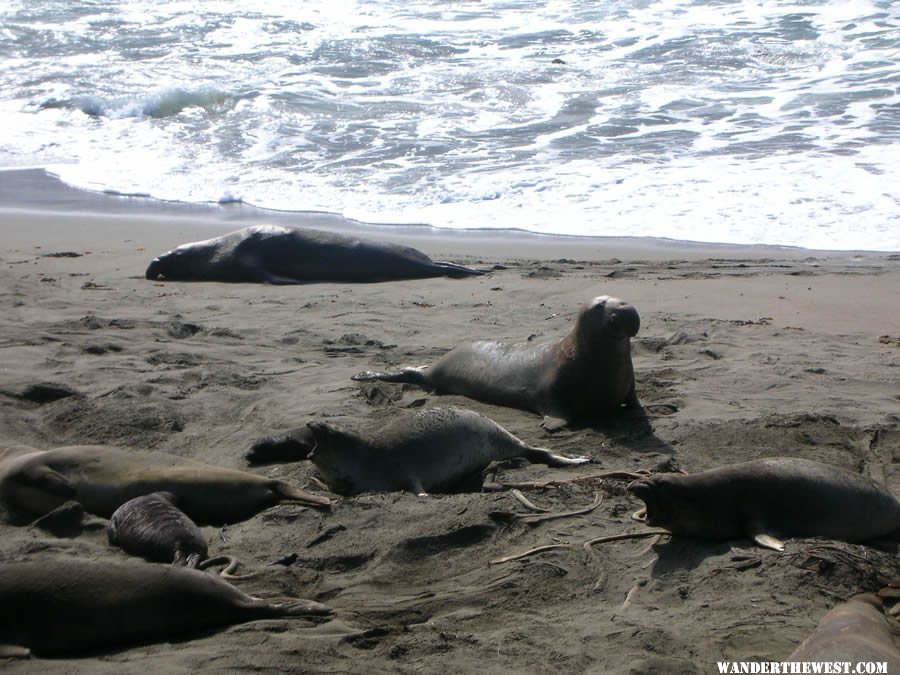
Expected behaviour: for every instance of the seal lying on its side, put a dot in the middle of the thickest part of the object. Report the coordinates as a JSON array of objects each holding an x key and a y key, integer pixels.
[
  {"x": 580, "y": 377},
  {"x": 69, "y": 606},
  {"x": 154, "y": 528},
  {"x": 762, "y": 499},
  {"x": 103, "y": 478},
  {"x": 284, "y": 255},
  {"x": 429, "y": 450},
  {"x": 856, "y": 632}
]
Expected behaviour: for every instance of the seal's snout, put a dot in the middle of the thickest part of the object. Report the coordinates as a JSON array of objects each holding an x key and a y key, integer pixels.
[
  {"x": 154, "y": 271},
  {"x": 625, "y": 319}
]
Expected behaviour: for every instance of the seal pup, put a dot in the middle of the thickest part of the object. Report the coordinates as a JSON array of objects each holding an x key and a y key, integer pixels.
[
  {"x": 769, "y": 498},
  {"x": 154, "y": 528},
  {"x": 285, "y": 255},
  {"x": 102, "y": 478},
  {"x": 430, "y": 450},
  {"x": 66, "y": 606},
  {"x": 579, "y": 377},
  {"x": 855, "y": 631}
]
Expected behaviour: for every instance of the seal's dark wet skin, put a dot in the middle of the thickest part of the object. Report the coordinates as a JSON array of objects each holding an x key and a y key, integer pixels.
[
  {"x": 283, "y": 255},
  {"x": 770, "y": 498},
  {"x": 60, "y": 607}
]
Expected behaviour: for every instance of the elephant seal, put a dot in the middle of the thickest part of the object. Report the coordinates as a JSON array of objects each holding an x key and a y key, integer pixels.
[
  {"x": 67, "y": 606},
  {"x": 293, "y": 446},
  {"x": 855, "y": 631},
  {"x": 284, "y": 255},
  {"x": 154, "y": 528},
  {"x": 103, "y": 478},
  {"x": 769, "y": 498},
  {"x": 582, "y": 376},
  {"x": 429, "y": 450}
]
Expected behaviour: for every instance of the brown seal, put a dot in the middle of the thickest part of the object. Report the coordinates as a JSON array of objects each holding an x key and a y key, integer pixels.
[
  {"x": 769, "y": 498},
  {"x": 285, "y": 255},
  {"x": 67, "y": 606},
  {"x": 103, "y": 478},
  {"x": 580, "y": 377},
  {"x": 855, "y": 631},
  {"x": 431, "y": 450}
]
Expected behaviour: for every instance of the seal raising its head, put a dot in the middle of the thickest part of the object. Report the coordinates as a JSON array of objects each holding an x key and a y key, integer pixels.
[
  {"x": 429, "y": 450},
  {"x": 579, "y": 377},
  {"x": 769, "y": 498},
  {"x": 285, "y": 255}
]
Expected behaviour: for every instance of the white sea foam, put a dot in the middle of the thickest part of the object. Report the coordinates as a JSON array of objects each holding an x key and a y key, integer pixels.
[{"x": 742, "y": 122}]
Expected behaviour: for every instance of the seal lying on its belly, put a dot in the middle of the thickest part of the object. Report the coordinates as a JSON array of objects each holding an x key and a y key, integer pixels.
[
  {"x": 103, "y": 478},
  {"x": 580, "y": 377},
  {"x": 66, "y": 606},
  {"x": 855, "y": 631},
  {"x": 769, "y": 498},
  {"x": 154, "y": 528},
  {"x": 283, "y": 255},
  {"x": 429, "y": 450}
]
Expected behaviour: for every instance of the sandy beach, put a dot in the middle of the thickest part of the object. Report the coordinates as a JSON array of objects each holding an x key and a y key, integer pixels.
[{"x": 743, "y": 352}]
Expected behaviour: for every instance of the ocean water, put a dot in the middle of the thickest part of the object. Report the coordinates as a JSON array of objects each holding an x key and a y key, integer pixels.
[{"x": 755, "y": 121}]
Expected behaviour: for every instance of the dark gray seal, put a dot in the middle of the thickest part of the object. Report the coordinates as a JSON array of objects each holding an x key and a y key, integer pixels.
[
  {"x": 431, "y": 450},
  {"x": 769, "y": 498},
  {"x": 283, "y": 255},
  {"x": 67, "y": 606},
  {"x": 580, "y": 377},
  {"x": 855, "y": 631},
  {"x": 154, "y": 528},
  {"x": 102, "y": 478},
  {"x": 293, "y": 446}
]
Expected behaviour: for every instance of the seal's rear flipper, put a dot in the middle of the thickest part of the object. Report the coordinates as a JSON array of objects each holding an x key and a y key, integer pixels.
[
  {"x": 306, "y": 608},
  {"x": 768, "y": 541},
  {"x": 550, "y": 458},
  {"x": 407, "y": 376},
  {"x": 289, "y": 493},
  {"x": 455, "y": 271},
  {"x": 14, "y": 652}
]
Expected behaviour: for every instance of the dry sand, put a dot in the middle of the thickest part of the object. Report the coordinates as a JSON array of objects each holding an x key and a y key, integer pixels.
[{"x": 743, "y": 353}]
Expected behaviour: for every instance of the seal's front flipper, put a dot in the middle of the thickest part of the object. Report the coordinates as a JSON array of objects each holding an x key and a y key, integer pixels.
[
  {"x": 415, "y": 486},
  {"x": 553, "y": 424},
  {"x": 768, "y": 541},
  {"x": 14, "y": 652},
  {"x": 63, "y": 521},
  {"x": 42, "y": 477}
]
